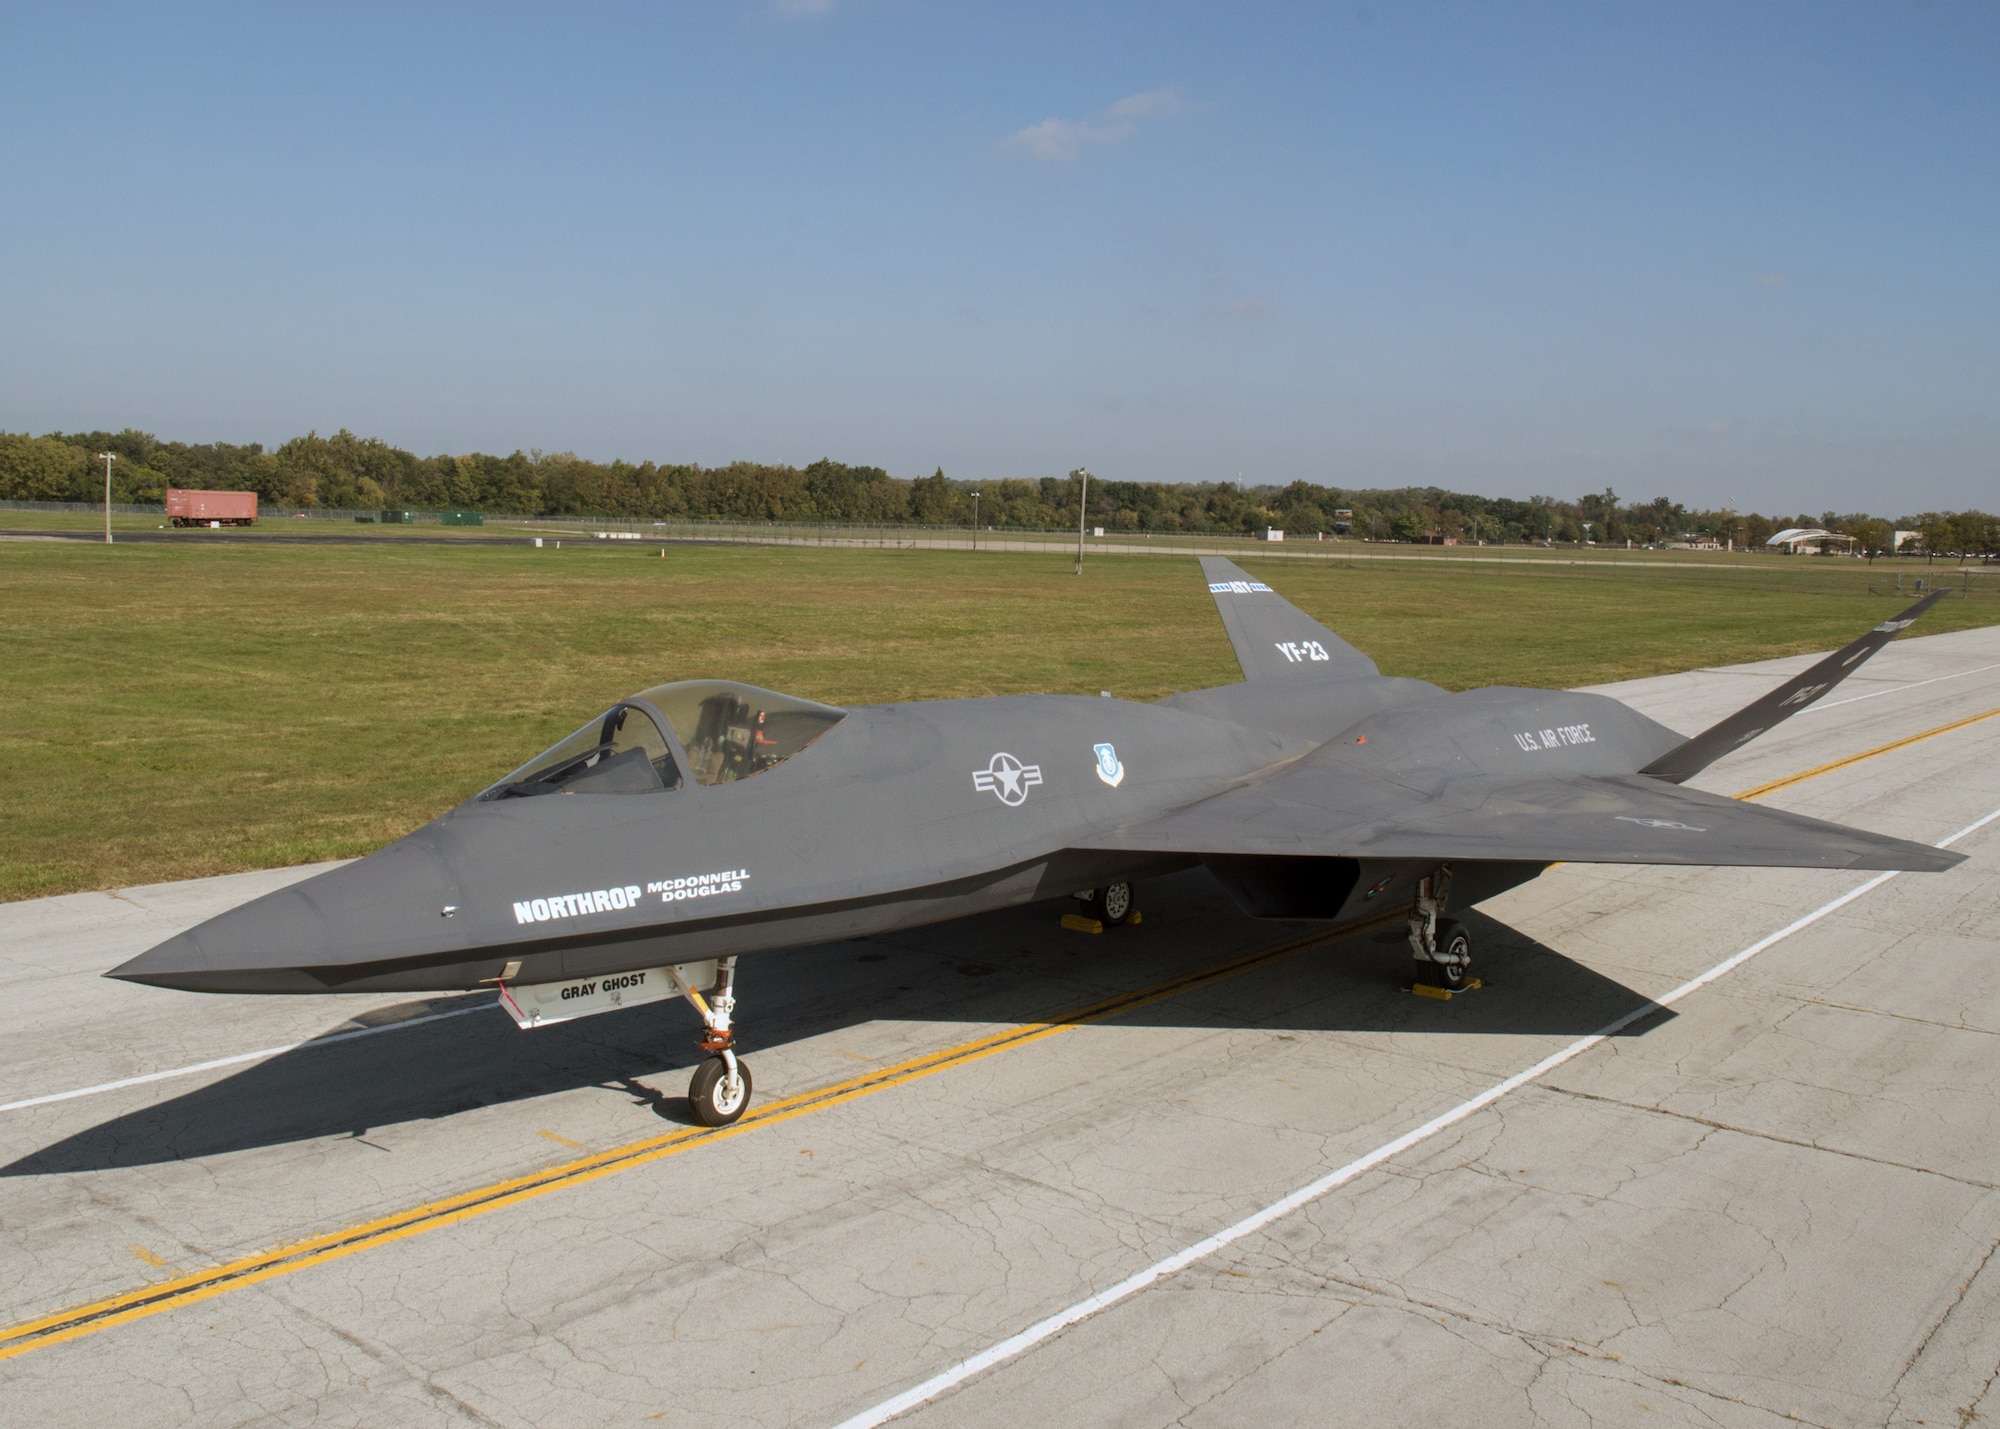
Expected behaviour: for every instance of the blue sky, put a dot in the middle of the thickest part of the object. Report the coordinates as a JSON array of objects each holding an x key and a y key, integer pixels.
[{"x": 1738, "y": 254}]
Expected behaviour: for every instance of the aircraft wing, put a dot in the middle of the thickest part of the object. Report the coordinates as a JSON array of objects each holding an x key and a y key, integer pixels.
[
  {"x": 1274, "y": 639},
  {"x": 1316, "y": 811}
]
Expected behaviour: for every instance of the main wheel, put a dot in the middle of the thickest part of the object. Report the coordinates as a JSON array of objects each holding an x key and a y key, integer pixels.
[
  {"x": 1455, "y": 943},
  {"x": 1111, "y": 904},
  {"x": 716, "y": 1097}
]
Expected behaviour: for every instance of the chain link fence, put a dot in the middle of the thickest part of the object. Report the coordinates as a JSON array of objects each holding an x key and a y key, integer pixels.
[{"x": 1898, "y": 577}]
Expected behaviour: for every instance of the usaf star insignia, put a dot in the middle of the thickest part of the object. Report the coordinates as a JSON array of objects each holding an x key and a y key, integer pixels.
[{"x": 1007, "y": 778}]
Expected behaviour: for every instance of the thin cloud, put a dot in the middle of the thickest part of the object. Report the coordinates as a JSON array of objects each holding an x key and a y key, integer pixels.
[
  {"x": 1058, "y": 141},
  {"x": 1151, "y": 105},
  {"x": 1055, "y": 141}
]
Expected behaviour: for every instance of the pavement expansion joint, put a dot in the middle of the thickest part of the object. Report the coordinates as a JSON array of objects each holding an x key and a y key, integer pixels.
[
  {"x": 1964, "y": 1288},
  {"x": 1773, "y": 1137},
  {"x": 1957, "y": 1026}
]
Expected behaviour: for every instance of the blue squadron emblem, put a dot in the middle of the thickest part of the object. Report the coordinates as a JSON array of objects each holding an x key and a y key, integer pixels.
[{"x": 1108, "y": 767}]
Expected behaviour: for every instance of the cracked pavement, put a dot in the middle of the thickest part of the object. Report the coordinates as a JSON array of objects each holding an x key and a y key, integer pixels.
[{"x": 1775, "y": 1205}]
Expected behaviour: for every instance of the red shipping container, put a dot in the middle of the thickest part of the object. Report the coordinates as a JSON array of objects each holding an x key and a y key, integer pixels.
[{"x": 204, "y": 508}]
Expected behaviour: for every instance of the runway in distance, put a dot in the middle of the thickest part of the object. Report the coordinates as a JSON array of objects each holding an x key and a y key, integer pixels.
[{"x": 701, "y": 821}]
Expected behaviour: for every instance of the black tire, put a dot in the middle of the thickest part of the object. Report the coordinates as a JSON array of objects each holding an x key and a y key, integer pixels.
[
  {"x": 1454, "y": 942},
  {"x": 712, "y": 1097},
  {"x": 1111, "y": 904}
]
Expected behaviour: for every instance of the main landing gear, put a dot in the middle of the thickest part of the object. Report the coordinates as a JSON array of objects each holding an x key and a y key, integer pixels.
[
  {"x": 1441, "y": 946},
  {"x": 1109, "y": 905},
  {"x": 719, "y": 1091}
]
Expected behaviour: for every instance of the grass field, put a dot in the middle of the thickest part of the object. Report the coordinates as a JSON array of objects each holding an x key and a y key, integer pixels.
[{"x": 171, "y": 711}]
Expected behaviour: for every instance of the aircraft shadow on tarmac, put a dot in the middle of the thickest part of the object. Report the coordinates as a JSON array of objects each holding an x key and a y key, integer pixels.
[{"x": 1002, "y": 968}]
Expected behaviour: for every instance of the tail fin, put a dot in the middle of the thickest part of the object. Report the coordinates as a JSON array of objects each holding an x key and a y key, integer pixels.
[
  {"x": 1274, "y": 639},
  {"x": 1684, "y": 761}
]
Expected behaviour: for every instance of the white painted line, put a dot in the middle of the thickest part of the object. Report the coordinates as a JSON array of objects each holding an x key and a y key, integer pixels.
[
  {"x": 1160, "y": 1270},
  {"x": 1897, "y": 689},
  {"x": 240, "y": 1058}
]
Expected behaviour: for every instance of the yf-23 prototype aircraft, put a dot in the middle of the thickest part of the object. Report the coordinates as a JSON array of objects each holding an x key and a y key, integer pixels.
[{"x": 702, "y": 821}]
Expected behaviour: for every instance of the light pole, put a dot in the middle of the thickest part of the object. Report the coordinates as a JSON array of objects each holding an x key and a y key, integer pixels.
[
  {"x": 109, "y": 457},
  {"x": 1082, "y": 506},
  {"x": 975, "y": 520}
]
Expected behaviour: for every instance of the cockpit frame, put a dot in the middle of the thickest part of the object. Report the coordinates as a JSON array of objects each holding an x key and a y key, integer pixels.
[{"x": 726, "y": 731}]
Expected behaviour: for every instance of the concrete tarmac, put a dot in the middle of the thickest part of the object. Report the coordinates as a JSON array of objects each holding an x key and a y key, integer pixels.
[{"x": 1774, "y": 1203}]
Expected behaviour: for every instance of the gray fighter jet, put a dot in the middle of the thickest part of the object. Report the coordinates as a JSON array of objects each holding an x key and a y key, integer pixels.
[{"x": 703, "y": 820}]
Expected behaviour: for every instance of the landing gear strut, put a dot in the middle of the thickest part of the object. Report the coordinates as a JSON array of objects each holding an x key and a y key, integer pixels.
[
  {"x": 719, "y": 1091},
  {"x": 1441, "y": 946}
]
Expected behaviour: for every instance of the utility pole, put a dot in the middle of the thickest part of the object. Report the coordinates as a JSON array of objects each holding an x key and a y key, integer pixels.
[
  {"x": 975, "y": 520},
  {"x": 109, "y": 457},
  {"x": 1082, "y": 507}
]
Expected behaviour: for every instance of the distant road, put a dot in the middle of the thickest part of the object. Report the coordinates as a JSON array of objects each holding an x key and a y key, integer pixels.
[{"x": 1033, "y": 542}]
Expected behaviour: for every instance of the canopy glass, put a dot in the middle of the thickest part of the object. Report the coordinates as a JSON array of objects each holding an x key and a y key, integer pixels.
[
  {"x": 733, "y": 731},
  {"x": 727, "y": 731}
]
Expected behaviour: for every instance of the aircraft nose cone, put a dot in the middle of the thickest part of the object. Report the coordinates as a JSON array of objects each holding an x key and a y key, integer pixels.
[{"x": 299, "y": 938}]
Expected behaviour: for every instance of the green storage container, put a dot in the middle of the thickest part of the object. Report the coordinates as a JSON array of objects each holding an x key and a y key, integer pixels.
[
  {"x": 461, "y": 518},
  {"x": 399, "y": 518}
]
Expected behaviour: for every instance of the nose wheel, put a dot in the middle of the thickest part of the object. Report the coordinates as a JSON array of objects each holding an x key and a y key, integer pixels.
[{"x": 719, "y": 1090}]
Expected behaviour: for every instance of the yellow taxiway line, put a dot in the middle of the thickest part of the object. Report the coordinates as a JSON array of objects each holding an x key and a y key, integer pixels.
[
  {"x": 283, "y": 1260},
  {"x": 80, "y": 1320},
  {"x": 1894, "y": 744}
]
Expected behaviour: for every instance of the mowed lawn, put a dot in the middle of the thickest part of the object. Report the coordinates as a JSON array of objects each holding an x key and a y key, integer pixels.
[{"x": 174, "y": 711}]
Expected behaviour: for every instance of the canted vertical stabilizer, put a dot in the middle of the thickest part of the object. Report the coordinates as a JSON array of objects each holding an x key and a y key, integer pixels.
[
  {"x": 1687, "y": 760},
  {"x": 1274, "y": 639}
]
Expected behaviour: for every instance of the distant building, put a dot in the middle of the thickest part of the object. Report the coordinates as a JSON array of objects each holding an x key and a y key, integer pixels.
[
  {"x": 1811, "y": 540},
  {"x": 1904, "y": 537},
  {"x": 1270, "y": 533}
]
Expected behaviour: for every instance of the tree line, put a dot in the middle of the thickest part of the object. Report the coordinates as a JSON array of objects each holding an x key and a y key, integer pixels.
[{"x": 344, "y": 471}]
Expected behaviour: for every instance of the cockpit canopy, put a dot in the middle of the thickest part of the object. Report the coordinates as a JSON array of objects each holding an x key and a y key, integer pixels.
[{"x": 713, "y": 731}]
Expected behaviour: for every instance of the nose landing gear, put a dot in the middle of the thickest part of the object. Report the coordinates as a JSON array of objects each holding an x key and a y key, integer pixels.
[{"x": 719, "y": 1091}]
